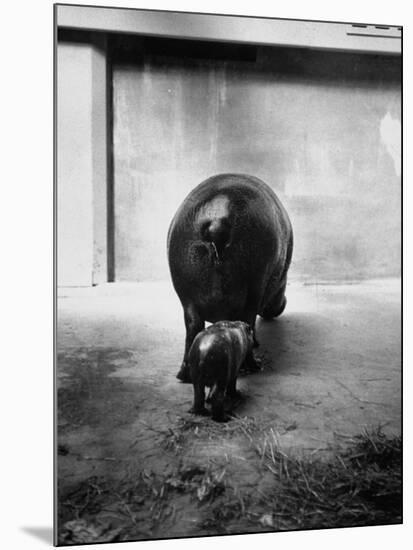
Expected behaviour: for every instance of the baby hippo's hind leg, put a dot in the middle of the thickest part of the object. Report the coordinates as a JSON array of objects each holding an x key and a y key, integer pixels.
[
  {"x": 217, "y": 405},
  {"x": 199, "y": 399},
  {"x": 232, "y": 387},
  {"x": 208, "y": 398},
  {"x": 217, "y": 396}
]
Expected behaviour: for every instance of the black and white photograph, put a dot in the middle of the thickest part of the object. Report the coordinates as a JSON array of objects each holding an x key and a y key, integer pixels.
[{"x": 228, "y": 274}]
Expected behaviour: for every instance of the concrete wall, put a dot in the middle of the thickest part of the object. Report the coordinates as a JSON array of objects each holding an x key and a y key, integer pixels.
[
  {"x": 81, "y": 160},
  {"x": 322, "y": 129}
]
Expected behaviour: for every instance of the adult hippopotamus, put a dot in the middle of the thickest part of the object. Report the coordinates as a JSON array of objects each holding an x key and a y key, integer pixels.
[{"x": 229, "y": 249}]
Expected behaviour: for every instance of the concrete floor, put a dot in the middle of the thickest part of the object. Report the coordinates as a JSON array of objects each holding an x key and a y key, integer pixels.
[{"x": 331, "y": 368}]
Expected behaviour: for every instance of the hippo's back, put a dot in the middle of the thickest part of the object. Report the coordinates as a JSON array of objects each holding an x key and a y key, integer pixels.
[{"x": 231, "y": 236}]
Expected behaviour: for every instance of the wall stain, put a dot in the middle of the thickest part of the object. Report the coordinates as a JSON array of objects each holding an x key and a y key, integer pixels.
[{"x": 390, "y": 133}]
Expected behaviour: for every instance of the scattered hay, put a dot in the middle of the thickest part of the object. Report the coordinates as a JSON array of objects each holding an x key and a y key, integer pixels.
[
  {"x": 133, "y": 504},
  {"x": 206, "y": 484},
  {"x": 360, "y": 486},
  {"x": 134, "y": 507},
  {"x": 227, "y": 516},
  {"x": 189, "y": 429}
]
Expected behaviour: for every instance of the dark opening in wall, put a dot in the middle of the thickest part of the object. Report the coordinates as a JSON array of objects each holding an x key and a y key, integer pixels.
[
  {"x": 129, "y": 48},
  {"x": 195, "y": 49}
]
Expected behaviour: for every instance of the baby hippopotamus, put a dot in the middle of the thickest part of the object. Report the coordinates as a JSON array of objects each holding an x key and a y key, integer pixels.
[{"x": 214, "y": 360}]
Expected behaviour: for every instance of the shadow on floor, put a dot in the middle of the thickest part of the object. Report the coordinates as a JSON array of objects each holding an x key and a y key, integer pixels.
[
  {"x": 291, "y": 340},
  {"x": 45, "y": 534}
]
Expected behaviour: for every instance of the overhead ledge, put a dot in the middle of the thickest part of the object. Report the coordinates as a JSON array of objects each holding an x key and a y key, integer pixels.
[{"x": 375, "y": 39}]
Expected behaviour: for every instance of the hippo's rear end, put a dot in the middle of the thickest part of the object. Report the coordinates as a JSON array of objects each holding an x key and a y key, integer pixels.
[{"x": 229, "y": 249}]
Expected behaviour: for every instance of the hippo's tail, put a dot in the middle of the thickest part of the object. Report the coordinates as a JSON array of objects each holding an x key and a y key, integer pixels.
[{"x": 217, "y": 232}]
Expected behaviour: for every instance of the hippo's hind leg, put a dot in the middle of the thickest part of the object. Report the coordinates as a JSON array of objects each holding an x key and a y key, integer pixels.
[
  {"x": 193, "y": 324},
  {"x": 250, "y": 309},
  {"x": 275, "y": 305}
]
